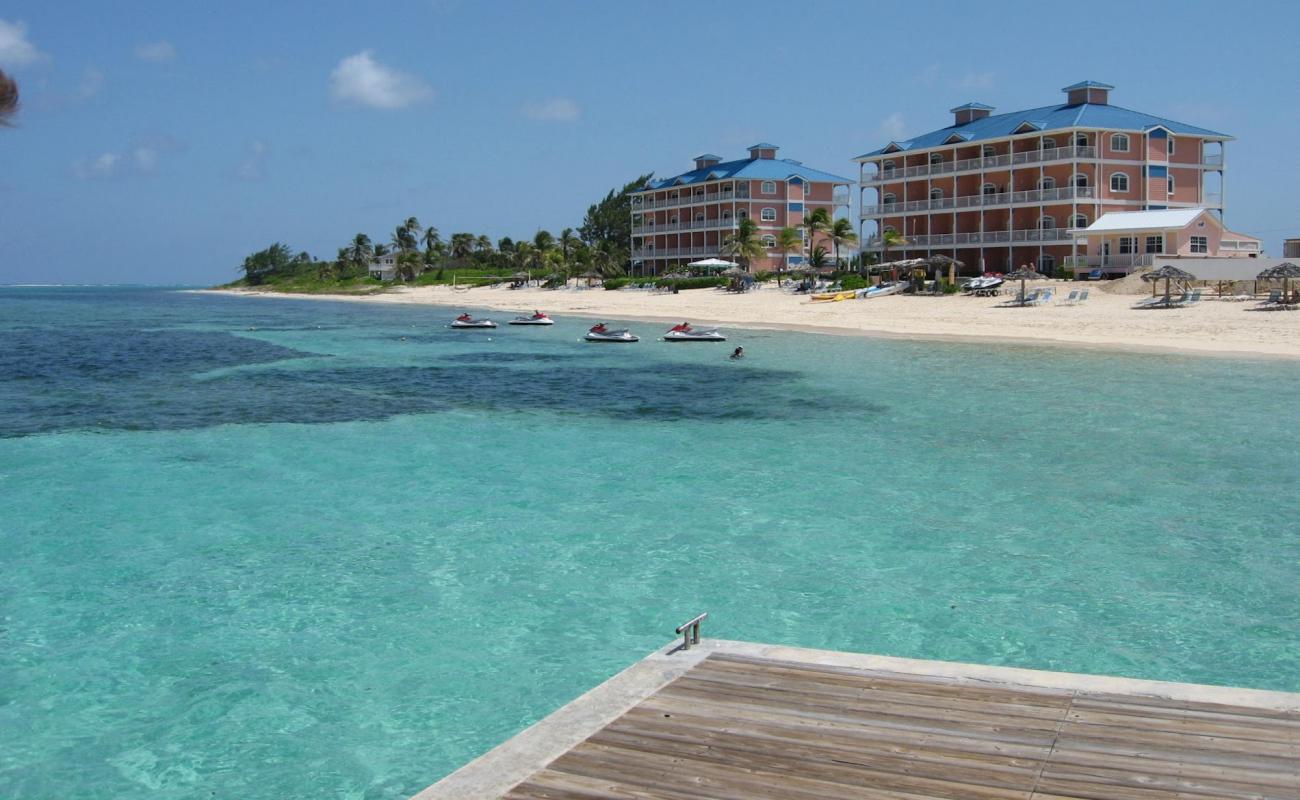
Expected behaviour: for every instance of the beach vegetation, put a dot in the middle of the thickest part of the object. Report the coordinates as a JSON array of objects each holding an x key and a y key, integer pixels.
[
  {"x": 8, "y": 99},
  {"x": 842, "y": 235},
  {"x": 744, "y": 245},
  {"x": 818, "y": 221}
]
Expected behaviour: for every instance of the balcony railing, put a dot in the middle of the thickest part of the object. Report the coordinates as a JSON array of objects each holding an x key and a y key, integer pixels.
[
  {"x": 1032, "y": 235},
  {"x": 1213, "y": 199},
  {"x": 991, "y": 162},
  {"x": 982, "y": 200},
  {"x": 1212, "y": 159},
  {"x": 648, "y": 204},
  {"x": 688, "y": 225},
  {"x": 1122, "y": 260},
  {"x": 675, "y": 252}
]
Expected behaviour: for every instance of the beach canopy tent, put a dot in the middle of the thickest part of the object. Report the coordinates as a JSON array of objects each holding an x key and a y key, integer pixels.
[
  {"x": 1168, "y": 273},
  {"x": 712, "y": 264},
  {"x": 1024, "y": 274},
  {"x": 1283, "y": 272}
]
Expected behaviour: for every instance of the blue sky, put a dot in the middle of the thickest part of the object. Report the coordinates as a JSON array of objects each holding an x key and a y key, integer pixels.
[{"x": 163, "y": 141}]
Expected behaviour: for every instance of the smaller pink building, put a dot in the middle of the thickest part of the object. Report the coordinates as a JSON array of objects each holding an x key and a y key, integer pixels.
[{"x": 1120, "y": 241}]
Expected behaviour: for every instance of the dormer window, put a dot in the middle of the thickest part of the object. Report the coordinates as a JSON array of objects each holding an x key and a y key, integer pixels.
[
  {"x": 1119, "y": 142},
  {"x": 768, "y": 187}
]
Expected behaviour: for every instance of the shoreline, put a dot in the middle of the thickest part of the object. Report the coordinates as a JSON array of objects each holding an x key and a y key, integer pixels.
[{"x": 1228, "y": 330}]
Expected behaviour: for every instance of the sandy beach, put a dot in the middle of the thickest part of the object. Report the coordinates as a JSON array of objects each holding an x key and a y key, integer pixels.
[{"x": 1106, "y": 320}]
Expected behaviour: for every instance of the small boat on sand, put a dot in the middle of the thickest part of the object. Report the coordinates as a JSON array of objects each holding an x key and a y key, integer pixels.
[
  {"x": 602, "y": 333},
  {"x": 834, "y": 297},
  {"x": 467, "y": 321},
  {"x": 685, "y": 333},
  {"x": 536, "y": 318},
  {"x": 881, "y": 290}
]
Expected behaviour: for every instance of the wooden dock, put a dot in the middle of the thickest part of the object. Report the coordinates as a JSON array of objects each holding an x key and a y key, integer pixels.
[{"x": 732, "y": 720}]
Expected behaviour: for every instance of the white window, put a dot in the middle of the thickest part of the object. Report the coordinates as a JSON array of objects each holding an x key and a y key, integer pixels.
[
  {"x": 988, "y": 188},
  {"x": 1169, "y": 145},
  {"x": 1046, "y": 263},
  {"x": 1171, "y": 184},
  {"x": 1127, "y": 245},
  {"x": 936, "y": 158},
  {"x": 768, "y": 187},
  {"x": 1046, "y": 222},
  {"x": 1119, "y": 142},
  {"x": 699, "y": 217},
  {"x": 1080, "y": 140},
  {"x": 742, "y": 214},
  {"x": 1155, "y": 244},
  {"x": 768, "y": 214},
  {"x": 1200, "y": 244},
  {"x": 1047, "y": 182},
  {"x": 887, "y": 165},
  {"x": 1078, "y": 221},
  {"x": 889, "y": 199},
  {"x": 1048, "y": 144},
  {"x": 936, "y": 194},
  {"x": 807, "y": 188},
  {"x": 989, "y": 151},
  {"x": 1119, "y": 182},
  {"x": 769, "y": 240}
]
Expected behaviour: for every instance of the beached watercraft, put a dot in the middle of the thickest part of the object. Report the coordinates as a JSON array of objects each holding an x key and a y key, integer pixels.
[
  {"x": 466, "y": 321},
  {"x": 685, "y": 333},
  {"x": 536, "y": 318},
  {"x": 601, "y": 333},
  {"x": 834, "y": 297},
  {"x": 881, "y": 290},
  {"x": 984, "y": 286}
]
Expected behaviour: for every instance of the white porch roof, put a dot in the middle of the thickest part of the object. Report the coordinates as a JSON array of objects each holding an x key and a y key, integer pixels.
[{"x": 1162, "y": 220}]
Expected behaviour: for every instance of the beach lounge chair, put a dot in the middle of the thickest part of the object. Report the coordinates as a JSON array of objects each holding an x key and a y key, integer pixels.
[
  {"x": 1274, "y": 298},
  {"x": 1095, "y": 275},
  {"x": 1191, "y": 300},
  {"x": 1070, "y": 299},
  {"x": 1083, "y": 297},
  {"x": 1043, "y": 299}
]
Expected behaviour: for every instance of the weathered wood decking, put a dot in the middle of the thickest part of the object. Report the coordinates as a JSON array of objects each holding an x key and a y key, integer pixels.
[{"x": 738, "y": 724}]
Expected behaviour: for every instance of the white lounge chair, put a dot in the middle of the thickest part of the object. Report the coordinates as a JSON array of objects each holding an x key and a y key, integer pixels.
[{"x": 1071, "y": 299}]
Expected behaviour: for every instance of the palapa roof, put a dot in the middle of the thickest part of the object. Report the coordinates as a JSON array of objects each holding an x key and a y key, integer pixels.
[
  {"x": 1284, "y": 270},
  {"x": 1168, "y": 271}
]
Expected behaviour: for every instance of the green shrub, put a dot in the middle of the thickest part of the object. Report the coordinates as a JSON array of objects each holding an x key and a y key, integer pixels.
[
  {"x": 948, "y": 287},
  {"x": 682, "y": 284},
  {"x": 616, "y": 283},
  {"x": 852, "y": 281}
]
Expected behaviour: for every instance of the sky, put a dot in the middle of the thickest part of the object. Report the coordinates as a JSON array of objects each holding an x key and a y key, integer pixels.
[{"x": 161, "y": 142}]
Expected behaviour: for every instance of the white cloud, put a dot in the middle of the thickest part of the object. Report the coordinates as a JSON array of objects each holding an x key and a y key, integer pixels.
[
  {"x": 555, "y": 109},
  {"x": 976, "y": 80},
  {"x": 92, "y": 80},
  {"x": 137, "y": 161},
  {"x": 253, "y": 166},
  {"x": 15, "y": 50},
  {"x": 359, "y": 80},
  {"x": 891, "y": 128},
  {"x": 160, "y": 51}
]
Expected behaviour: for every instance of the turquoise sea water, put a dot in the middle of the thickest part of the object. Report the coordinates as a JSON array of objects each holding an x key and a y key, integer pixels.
[{"x": 280, "y": 549}]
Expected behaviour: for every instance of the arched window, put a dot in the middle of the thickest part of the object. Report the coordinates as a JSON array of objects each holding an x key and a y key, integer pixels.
[
  {"x": 936, "y": 158},
  {"x": 1046, "y": 222},
  {"x": 1080, "y": 140},
  {"x": 768, "y": 214},
  {"x": 889, "y": 199},
  {"x": 1047, "y": 182},
  {"x": 887, "y": 165},
  {"x": 1047, "y": 144},
  {"x": 699, "y": 192},
  {"x": 699, "y": 217},
  {"x": 1079, "y": 180},
  {"x": 742, "y": 214},
  {"x": 1171, "y": 184},
  {"x": 988, "y": 188},
  {"x": 672, "y": 196},
  {"x": 1078, "y": 221},
  {"x": 1119, "y": 142},
  {"x": 1119, "y": 182},
  {"x": 769, "y": 240},
  {"x": 1046, "y": 263},
  {"x": 988, "y": 151},
  {"x": 936, "y": 194},
  {"x": 672, "y": 220},
  {"x": 726, "y": 215},
  {"x": 768, "y": 187}
]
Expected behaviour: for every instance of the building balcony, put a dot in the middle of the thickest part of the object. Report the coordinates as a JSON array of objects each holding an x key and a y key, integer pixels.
[
  {"x": 1065, "y": 193},
  {"x": 1030, "y": 236},
  {"x": 675, "y": 252},
  {"x": 977, "y": 164},
  {"x": 648, "y": 204},
  {"x": 688, "y": 225}
]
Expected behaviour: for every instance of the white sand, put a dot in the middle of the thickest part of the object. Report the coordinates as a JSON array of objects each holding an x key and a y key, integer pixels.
[{"x": 1104, "y": 321}]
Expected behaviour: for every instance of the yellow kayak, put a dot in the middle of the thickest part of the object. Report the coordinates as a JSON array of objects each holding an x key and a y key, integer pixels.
[{"x": 834, "y": 297}]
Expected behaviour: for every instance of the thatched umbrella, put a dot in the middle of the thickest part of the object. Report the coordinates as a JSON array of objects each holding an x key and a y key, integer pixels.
[
  {"x": 734, "y": 272},
  {"x": 591, "y": 275},
  {"x": 1284, "y": 272},
  {"x": 1024, "y": 274},
  {"x": 1168, "y": 273}
]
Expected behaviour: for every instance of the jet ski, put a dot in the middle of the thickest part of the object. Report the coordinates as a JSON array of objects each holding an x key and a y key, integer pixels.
[
  {"x": 984, "y": 286},
  {"x": 466, "y": 321},
  {"x": 881, "y": 290},
  {"x": 685, "y": 333},
  {"x": 536, "y": 318},
  {"x": 601, "y": 333}
]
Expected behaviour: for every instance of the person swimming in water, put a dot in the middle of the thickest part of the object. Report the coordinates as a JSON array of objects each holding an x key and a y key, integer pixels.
[{"x": 737, "y": 354}]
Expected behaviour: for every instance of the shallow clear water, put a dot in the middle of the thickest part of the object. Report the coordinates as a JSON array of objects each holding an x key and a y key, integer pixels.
[{"x": 278, "y": 548}]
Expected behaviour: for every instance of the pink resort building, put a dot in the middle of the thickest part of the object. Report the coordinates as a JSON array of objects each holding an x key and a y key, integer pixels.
[
  {"x": 996, "y": 191},
  {"x": 687, "y": 217}
]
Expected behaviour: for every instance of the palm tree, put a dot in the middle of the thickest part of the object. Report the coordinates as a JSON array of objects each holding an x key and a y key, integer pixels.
[
  {"x": 412, "y": 226},
  {"x": 483, "y": 244},
  {"x": 543, "y": 244},
  {"x": 402, "y": 240},
  {"x": 361, "y": 251},
  {"x": 568, "y": 241},
  {"x": 523, "y": 255},
  {"x": 506, "y": 245},
  {"x": 462, "y": 244},
  {"x": 819, "y": 221},
  {"x": 8, "y": 99},
  {"x": 744, "y": 245},
  {"x": 431, "y": 239},
  {"x": 841, "y": 233},
  {"x": 890, "y": 238},
  {"x": 818, "y": 258},
  {"x": 381, "y": 249},
  {"x": 788, "y": 240}
]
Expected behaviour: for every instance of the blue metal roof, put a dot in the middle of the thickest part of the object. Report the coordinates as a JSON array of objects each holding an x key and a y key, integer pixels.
[
  {"x": 763, "y": 146},
  {"x": 970, "y": 107},
  {"x": 708, "y": 157},
  {"x": 1088, "y": 85},
  {"x": 1048, "y": 118},
  {"x": 774, "y": 169}
]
